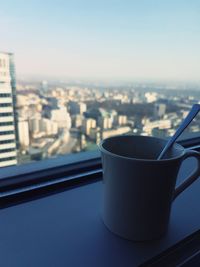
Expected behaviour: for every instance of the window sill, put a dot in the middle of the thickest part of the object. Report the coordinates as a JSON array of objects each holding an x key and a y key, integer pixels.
[
  {"x": 65, "y": 229},
  {"x": 45, "y": 172}
]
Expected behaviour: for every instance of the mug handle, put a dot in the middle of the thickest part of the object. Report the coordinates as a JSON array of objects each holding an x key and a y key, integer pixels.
[{"x": 192, "y": 177}]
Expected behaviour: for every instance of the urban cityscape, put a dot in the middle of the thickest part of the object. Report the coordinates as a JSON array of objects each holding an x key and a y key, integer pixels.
[{"x": 41, "y": 119}]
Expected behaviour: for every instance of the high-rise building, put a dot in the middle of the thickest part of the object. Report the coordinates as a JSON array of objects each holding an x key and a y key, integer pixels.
[
  {"x": 105, "y": 122},
  {"x": 77, "y": 107},
  {"x": 14, "y": 96},
  {"x": 23, "y": 130},
  {"x": 8, "y": 130},
  {"x": 61, "y": 117},
  {"x": 88, "y": 124},
  {"x": 159, "y": 110}
]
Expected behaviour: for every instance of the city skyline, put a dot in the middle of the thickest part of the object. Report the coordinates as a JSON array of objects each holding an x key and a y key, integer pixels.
[
  {"x": 103, "y": 40},
  {"x": 40, "y": 120}
]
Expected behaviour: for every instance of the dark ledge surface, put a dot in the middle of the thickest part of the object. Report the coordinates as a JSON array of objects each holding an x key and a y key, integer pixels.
[{"x": 66, "y": 229}]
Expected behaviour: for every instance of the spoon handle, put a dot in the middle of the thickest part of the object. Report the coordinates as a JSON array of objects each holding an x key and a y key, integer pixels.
[{"x": 193, "y": 112}]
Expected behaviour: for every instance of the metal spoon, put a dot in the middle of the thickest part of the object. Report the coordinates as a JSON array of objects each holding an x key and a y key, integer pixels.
[{"x": 193, "y": 112}]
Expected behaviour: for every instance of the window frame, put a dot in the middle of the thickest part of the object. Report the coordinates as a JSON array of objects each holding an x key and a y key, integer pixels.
[
  {"x": 36, "y": 179},
  {"x": 19, "y": 182}
]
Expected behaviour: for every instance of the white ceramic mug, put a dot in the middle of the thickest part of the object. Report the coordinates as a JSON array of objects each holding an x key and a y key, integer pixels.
[{"x": 138, "y": 189}]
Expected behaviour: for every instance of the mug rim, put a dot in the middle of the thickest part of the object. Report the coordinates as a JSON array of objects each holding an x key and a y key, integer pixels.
[{"x": 102, "y": 149}]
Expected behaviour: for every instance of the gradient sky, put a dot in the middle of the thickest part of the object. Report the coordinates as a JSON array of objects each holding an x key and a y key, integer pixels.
[{"x": 124, "y": 39}]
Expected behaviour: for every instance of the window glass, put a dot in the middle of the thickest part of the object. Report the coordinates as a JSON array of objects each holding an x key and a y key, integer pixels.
[{"x": 75, "y": 72}]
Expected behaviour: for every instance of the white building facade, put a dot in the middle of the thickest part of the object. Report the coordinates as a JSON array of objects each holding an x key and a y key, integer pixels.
[
  {"x": 23, "y": 129},
  {"x": 8, "y": 151}
]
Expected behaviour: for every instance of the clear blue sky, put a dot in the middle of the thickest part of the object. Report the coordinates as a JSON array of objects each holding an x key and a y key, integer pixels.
[{"x": 124, "y": 39}]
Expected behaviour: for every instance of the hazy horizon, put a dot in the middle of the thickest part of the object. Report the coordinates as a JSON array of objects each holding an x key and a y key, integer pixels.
[
  {"x": 46, "y": 77},
  {"x": 103, "y": 40},
  {"x": 110, "y": 83}
]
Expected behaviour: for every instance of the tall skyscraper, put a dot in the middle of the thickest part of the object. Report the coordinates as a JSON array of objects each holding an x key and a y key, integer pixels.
[
  {"x": 159, "y": 110},
  {"x": 8, "y": 121}
]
